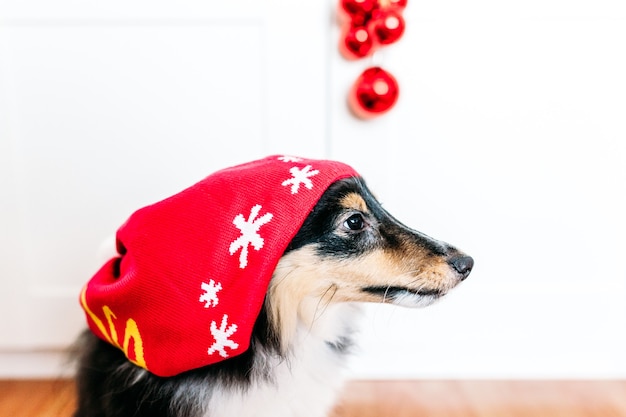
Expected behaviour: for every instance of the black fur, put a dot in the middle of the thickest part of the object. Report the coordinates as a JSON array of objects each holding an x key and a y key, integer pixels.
[{"x": 110, "y": 386}]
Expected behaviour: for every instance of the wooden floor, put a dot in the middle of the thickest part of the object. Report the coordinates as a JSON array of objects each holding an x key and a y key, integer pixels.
[
  {"x": 392, "y": 398},
  {"x": 483, "y": 399}
]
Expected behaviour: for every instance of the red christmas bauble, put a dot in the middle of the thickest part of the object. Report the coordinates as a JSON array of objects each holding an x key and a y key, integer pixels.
[
  {"x": 355, "y": 42},
  {"x": 392, "y": 4},
  {"x": 374, "y": 93},
  {"x": 387, "y": 26},
  {"x": 358, "y": 12}
]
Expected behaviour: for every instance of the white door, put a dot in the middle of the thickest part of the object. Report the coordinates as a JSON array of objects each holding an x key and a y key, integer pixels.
[{"x": 108, "y": 106}]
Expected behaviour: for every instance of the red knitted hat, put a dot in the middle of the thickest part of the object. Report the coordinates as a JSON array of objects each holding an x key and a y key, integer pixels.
[{"x": 193, "y": 269}]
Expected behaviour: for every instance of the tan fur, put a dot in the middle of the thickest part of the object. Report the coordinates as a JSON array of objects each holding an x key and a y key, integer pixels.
[
  {"x": 354, "y": 201},
  {"x": 304, "y": 284}
]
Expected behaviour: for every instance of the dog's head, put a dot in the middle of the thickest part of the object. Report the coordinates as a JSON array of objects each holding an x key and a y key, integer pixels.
[
  {"x": 270, "y": 239},
  {"x": 350, "y": 249}
]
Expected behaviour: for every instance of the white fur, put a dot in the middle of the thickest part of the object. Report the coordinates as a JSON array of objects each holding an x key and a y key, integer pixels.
[
  {"x": 408, "y": 299},
  {"x": 306, "y": 384}
]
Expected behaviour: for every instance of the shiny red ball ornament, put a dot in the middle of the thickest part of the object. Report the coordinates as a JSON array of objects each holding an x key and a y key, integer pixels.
[
  {"x": 393, "y": 4},
  {"x": 374, "y": 93},
  {"x": 356, "y": 42},
  {"x": 358, "y": 12},
  {"x": 387, "y": 26}
]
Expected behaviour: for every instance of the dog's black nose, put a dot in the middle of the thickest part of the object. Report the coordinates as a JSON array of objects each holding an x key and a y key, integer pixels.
[{"x": 463, "y": 264}]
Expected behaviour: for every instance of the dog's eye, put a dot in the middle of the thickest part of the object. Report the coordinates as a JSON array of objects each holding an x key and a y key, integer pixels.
[{"x": 355, "y": 222}]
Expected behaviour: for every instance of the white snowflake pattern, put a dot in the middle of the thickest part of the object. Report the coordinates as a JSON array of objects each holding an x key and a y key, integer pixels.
[
  {"x": 288, "y": 158},
  {"x": 300, "y": 176},
  {"x": 221, "y": 337},
  {"x": 249, "y": 234},
  {"x": 209, "y": 297}
]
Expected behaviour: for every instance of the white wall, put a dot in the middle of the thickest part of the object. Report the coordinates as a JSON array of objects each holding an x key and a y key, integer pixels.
[{"x": 509, "y": 140}]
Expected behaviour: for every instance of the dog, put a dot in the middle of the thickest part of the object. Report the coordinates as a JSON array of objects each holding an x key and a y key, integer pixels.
[{"x": 348, "y": 250}]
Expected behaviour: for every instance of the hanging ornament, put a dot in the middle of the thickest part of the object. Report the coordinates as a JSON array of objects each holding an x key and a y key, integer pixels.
[
  {"x": 387, "y": 26},
  {"x": 397, "y": 5},
  {"x": 374, "y": 93},
  {"x": 357, "y": 42},
  {"x": 357, "y": 12},
  {"x": 368, "y": 26}
]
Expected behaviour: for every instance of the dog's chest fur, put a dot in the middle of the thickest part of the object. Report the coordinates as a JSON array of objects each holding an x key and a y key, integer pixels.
[{"x": 305, "y": 383}]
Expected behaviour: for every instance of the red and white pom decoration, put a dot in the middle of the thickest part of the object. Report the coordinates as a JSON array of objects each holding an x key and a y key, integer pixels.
[{"x": 368, "y": 26}]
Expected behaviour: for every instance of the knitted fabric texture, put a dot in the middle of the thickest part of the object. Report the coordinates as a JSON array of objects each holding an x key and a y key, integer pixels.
[{"x": 193, "y": 269}]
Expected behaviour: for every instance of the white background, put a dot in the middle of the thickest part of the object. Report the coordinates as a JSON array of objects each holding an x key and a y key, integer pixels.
[{"x": 509, "y": 141}]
